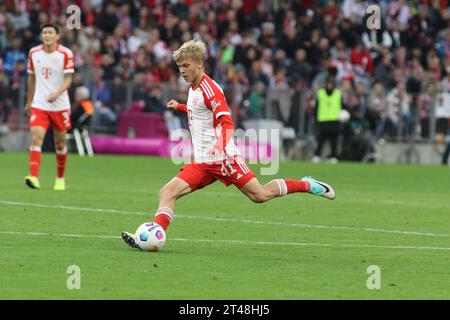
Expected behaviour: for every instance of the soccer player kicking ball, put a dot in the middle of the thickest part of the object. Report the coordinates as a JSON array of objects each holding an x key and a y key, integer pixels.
[
  {"x": 50, "y": 66},
  {"x": 216, "y": 156}
]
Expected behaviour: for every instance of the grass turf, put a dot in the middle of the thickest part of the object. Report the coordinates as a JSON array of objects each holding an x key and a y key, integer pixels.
[{"x": 221, "y": 245}]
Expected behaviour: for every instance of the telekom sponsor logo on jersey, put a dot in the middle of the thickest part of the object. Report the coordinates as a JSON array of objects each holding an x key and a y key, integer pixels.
[
  {"x": 195, "y": 101},
  {"x": 46, "y": 72}
]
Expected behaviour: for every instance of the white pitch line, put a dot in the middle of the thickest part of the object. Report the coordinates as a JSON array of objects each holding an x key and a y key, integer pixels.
[
  {"x": 341, "y": 199},
  {"x": 318, "y": 226},
  {"x": 296, "y": 225},
  {"x": 71, "y": 208},
  {"x": 237, "y": 242}
]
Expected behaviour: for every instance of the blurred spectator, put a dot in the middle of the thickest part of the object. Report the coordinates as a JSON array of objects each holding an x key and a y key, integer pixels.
[
  {"x": 301, "y": 69},
  {"x": 259, "y": 16},
  {"x": 139, "y": 92},
  {"x": 240, "y": 85},
  {"x": 89, "y": 43},
  {"x": 356, "y": 144},
  {"x": 384, "y": 72},
  {"x": 434, "y": 66},
  {"x": 136, "y": 39},
  {"x": 88, "y": 13},
  {"x": 118, "y": 94},
  {"x": 442, "y": 123},
  {"x": 154, "y": 102},
  {"x": 82, "y": 109},
  {"x": 443, "y": 45},
  {"x": 425, "y": 104},
  {"x": 108, "y": 19},
  {"x": 399, "y": 37},
  {"x": 280, "y": 61},
  {"x": 345, "y": 69},
  {"x": 267, "y": 66},
  {"x": 256, "y": 74},
  {"x": 105, "y": 117},
  {"x": 331, "y": 9},
  {"x": 348, "y": 33},
  {"x": 162, "y": 71},
  {"x": 347, "y": 92},
  {"x": 361, "y": 58},
  {"x": 399, "y": 118},
  {"x": 398, "y": 11},
  {"x": 13, "y": 55},
  {"x": 415, "y": 74},
  {"x": 354, "y": 8},
  {"x": 18, "y": 18},
  {"x": 257, "y": 101},
  {"x": 376, "y": 111},
  {"x": 328, "y": 108}
]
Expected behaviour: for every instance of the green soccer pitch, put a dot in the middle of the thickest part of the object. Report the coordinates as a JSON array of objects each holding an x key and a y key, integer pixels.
[{"x": 221, "y": 245}]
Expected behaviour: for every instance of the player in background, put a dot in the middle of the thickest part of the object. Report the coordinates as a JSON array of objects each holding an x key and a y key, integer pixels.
[
  {"x": 216, "y": 156},
  {"x": 50, "y": 68}
]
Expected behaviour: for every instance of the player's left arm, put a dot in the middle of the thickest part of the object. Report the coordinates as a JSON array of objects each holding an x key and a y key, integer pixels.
[
  {"x": 227, "y": 132},
  {"x": 66, "y": 85}
]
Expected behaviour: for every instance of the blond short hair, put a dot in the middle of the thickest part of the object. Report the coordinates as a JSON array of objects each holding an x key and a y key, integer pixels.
[{"x": 193, "y": 49}]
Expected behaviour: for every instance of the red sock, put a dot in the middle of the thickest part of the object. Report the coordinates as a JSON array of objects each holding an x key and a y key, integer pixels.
[
  {"x": 291, "y": 186},
  {"x": 35, "y": 160},
  {"x": 61, "y": 158},
  {"x": 164, "y": 216},
  {"x": 297, "y": 186}
]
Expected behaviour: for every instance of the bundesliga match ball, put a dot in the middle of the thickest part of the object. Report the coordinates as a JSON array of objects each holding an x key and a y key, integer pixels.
[{"x": 150, "y": 236}]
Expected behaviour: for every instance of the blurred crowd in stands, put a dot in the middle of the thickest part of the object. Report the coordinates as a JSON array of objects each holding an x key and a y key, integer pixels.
[{"x": 387, "y": 76}]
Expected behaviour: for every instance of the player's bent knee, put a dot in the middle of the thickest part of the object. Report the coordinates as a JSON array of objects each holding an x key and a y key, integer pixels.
[
  {"x": 37, "y": 142},
  {"x": 167, "y": 193},
  {"x": 60, "y": 146},
  {"x": 37, "y": 139}
]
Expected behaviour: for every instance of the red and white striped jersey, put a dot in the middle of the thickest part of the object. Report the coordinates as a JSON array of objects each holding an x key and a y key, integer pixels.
[
  {"x": 205, "y": 105},
  {"x": 49, "y": 69}
]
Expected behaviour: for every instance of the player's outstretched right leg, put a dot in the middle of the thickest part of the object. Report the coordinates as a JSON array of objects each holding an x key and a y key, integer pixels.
[
  {"x": 130, "y": 240},
  {"x": 32, "y": 182},
  {"x": 320, "y": 188}
]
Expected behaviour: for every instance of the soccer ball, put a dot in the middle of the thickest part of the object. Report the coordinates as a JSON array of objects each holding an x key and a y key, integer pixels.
[{"x": 150, "y": 236}]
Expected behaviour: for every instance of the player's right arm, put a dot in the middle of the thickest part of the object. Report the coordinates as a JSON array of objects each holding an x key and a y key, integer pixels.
[
  {"x": 31, "y": 84},
  {"x": 30, "y": 92},
  {"x": 175, "y": 106}
]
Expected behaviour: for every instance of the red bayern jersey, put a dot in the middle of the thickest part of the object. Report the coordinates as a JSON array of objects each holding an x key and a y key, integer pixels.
[{"x": 206, "y": 104}]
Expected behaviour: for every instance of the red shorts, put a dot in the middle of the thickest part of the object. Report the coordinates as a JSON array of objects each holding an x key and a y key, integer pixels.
[
  {"x": 60, "y": 120},
  {"x": 234, "y": 171}
]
